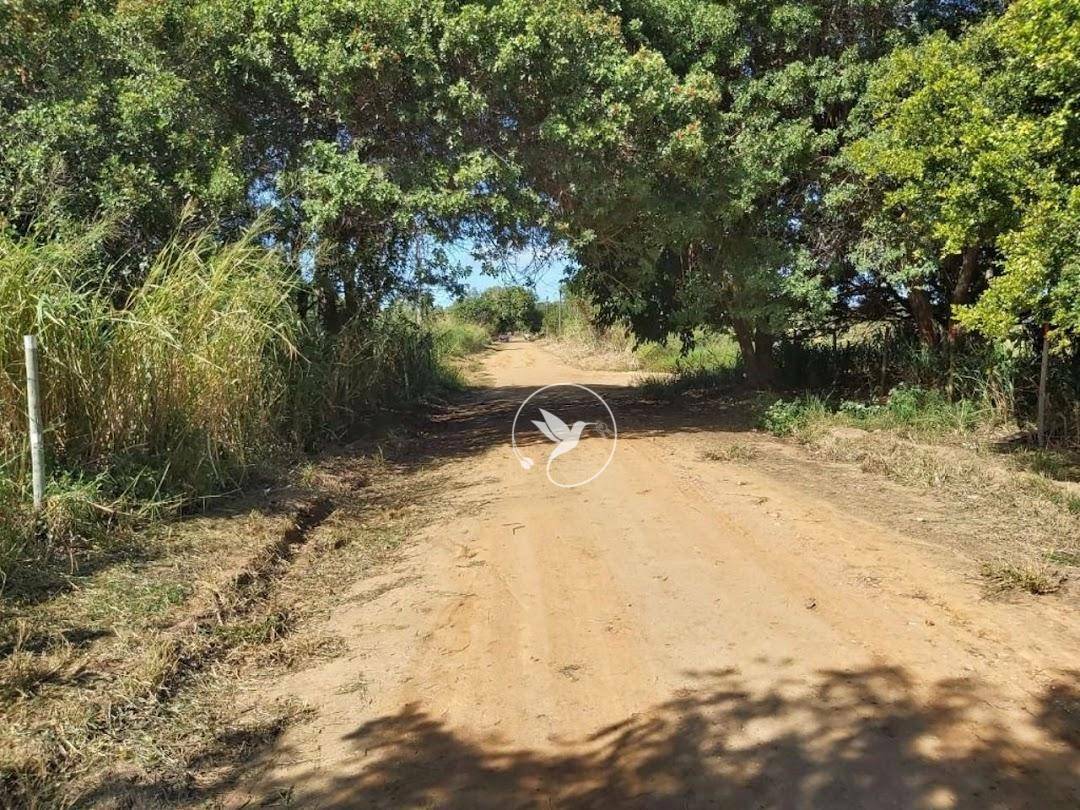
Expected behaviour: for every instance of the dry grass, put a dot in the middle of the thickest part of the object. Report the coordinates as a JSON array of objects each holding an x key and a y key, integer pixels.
[
  {"x": 1031, "y": 577},
  {"x": 734, "y": 452},
  {"x": 1023, "y": 520},
  {"x": 606, "y": 351},
  {"x": 127, "y": 686}
]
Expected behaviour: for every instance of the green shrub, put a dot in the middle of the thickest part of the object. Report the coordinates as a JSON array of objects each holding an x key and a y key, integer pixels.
[
  {"x": 711, "y": 351},
  {"x": 455, "y": 338},
  {"x": 788, "y": 417}
]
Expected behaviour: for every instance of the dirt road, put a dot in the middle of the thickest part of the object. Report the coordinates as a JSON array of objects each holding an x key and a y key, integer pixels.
[{"x": 682, "y": 632}]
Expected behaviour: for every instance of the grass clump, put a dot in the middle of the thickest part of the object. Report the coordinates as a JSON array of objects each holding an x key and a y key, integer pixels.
[
  {"x": 1030, "y": 577},
  {"x": 341, "y": 383},
  {"x": 787, "y": 417}
]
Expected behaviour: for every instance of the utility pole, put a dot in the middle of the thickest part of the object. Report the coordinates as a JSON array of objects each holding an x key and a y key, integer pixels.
[{"x": 33, "y": 410}]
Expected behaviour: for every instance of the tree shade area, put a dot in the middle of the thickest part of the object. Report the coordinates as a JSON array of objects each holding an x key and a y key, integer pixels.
[{"x": 785, "y": 171}]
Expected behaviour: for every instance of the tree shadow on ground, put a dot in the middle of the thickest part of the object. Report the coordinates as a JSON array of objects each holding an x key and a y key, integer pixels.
[
  {"x": 847, "y": 739},
  {"x": 482, "y": 418}
]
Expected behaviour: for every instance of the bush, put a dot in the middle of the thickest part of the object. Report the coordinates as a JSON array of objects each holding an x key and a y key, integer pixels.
[
  {"x": 787, "y": 417},
  {"x": 454, "y": 338},
  {"x": 500, "y": 309},
  {"x": 711, "y": 351}
]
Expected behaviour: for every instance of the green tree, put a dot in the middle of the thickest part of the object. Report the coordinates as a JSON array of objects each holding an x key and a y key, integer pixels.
[
  {"x": 1039, "y": 274},
  {"x": 129, "y": 111},
  {"x": 971, "y": 162},
  {"x": 720, "y": 220},
  {"x": 501, "y": 309},
  {"x": 361, "y": 130}
]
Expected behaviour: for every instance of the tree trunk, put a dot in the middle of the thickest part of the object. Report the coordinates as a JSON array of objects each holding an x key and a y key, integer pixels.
[
  {"x": 961, "y": 294},
  {"x": 763, "y": 349},
  {"x": 744, "y": 337},
  {"x": 969, "y": 266},
  {"x": 328, "y": 302},
  {"x": 1044, "y": 374},
  {"x": 923, "y": 313},
  {"x": 756, "y": 347}
]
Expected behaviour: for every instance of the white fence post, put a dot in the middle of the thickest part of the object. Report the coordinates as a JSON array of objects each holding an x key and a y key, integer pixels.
[{"x": 33, "y": 410}]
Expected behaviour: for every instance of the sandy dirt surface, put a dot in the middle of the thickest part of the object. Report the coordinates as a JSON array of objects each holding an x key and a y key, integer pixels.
[{"x": 681, "y": 632}]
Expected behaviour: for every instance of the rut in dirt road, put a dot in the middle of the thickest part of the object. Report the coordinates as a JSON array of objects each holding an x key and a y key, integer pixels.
[{"x": 678, "y": 633}]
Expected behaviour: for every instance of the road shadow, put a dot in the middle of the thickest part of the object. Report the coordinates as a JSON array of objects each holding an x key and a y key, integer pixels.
[
  {"x": 846, "y": 739},
  {"x": 481, "y": 418}
]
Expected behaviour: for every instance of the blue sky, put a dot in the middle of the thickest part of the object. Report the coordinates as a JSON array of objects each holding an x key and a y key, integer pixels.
[{"x": 545, "y": 277}]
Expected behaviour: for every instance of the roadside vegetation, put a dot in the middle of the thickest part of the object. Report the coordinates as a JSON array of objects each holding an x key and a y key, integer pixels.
[
  {"x": 226, "y": 222},
  {"x": 456, "y": 339},
  {"x": 125, "y": 688},
  {"x": 1022, "y": 503},
  {"x": 571, "y": 326},
  {"x": 499, "y": 310},
  {"x": 179, "y": 388}
]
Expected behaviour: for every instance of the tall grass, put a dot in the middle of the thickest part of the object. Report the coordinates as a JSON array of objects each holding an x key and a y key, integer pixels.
[
  {"x": 181, "y": 378},
  {"x": 151, "y": 397},
  {"x": 342, "y": 382},
  {"x": 178, "y": 386},
  {"x": 457, "y": 338}
]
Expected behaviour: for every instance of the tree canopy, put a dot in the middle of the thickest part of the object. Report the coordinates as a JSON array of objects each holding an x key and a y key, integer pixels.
[{"x": 764, "y": 167}]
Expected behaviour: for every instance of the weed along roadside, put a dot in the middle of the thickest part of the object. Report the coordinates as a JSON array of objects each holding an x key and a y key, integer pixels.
[{"x": 520, "y": 404}]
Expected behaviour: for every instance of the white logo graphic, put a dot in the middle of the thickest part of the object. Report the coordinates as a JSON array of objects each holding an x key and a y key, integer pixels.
[{"x": 565, "y": 437}]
